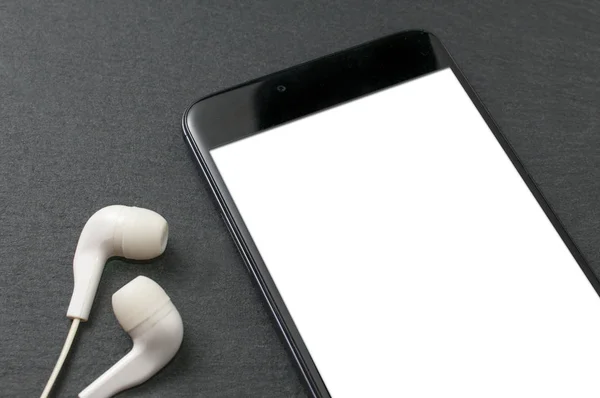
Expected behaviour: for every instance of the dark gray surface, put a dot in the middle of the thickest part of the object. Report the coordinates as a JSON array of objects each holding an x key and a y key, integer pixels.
[{"x": 91, "y": 97}]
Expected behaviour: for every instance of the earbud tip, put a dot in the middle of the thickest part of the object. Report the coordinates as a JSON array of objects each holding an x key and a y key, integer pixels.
[
  {"x": 137, "y": 301},
  {"x": 145, "y": 234}
]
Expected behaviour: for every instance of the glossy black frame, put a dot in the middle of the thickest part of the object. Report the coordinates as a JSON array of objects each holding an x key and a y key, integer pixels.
[{"x": 285, "y": 96}]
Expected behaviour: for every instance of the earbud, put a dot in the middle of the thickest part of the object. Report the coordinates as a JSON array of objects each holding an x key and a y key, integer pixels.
[
  {"x": 130, "y": 232},
  {"x": 145, "y": 312}
]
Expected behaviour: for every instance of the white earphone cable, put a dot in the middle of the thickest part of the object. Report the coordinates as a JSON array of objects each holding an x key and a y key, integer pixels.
[{"x": 62, "y": 357}]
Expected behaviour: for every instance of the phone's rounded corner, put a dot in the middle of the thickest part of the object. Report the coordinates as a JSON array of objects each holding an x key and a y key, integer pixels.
[
  {"x": 431, "y": 35},
  {"x": 435, "y": 41},
  {"x": 184, "y": 118}
]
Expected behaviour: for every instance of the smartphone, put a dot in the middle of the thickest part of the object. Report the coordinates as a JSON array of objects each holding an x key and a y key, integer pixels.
[{"x": 402, "y": 248}]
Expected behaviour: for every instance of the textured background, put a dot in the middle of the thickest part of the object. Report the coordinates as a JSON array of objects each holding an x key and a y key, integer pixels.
[{"x": 91, "y": 96}]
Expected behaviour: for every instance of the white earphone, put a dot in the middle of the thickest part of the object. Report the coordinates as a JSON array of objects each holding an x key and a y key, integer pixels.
[
  {"x": 145, "y": 312},
  {"x": 130, "y": 232},
  {"x": 142, "y": 307}
]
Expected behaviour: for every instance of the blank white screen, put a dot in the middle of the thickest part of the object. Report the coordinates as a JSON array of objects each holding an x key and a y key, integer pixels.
[{"x": 414, "y": 260}]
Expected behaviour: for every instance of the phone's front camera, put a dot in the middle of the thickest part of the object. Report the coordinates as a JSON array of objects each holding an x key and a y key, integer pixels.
[{"x": 281, "y": 88}]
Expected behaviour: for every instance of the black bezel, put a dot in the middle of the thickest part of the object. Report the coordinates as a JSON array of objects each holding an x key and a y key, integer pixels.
[{"x": 261, "y": 104}]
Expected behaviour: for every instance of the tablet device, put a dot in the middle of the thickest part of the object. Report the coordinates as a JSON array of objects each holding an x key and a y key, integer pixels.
[{"x": 401, "y": 246}]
